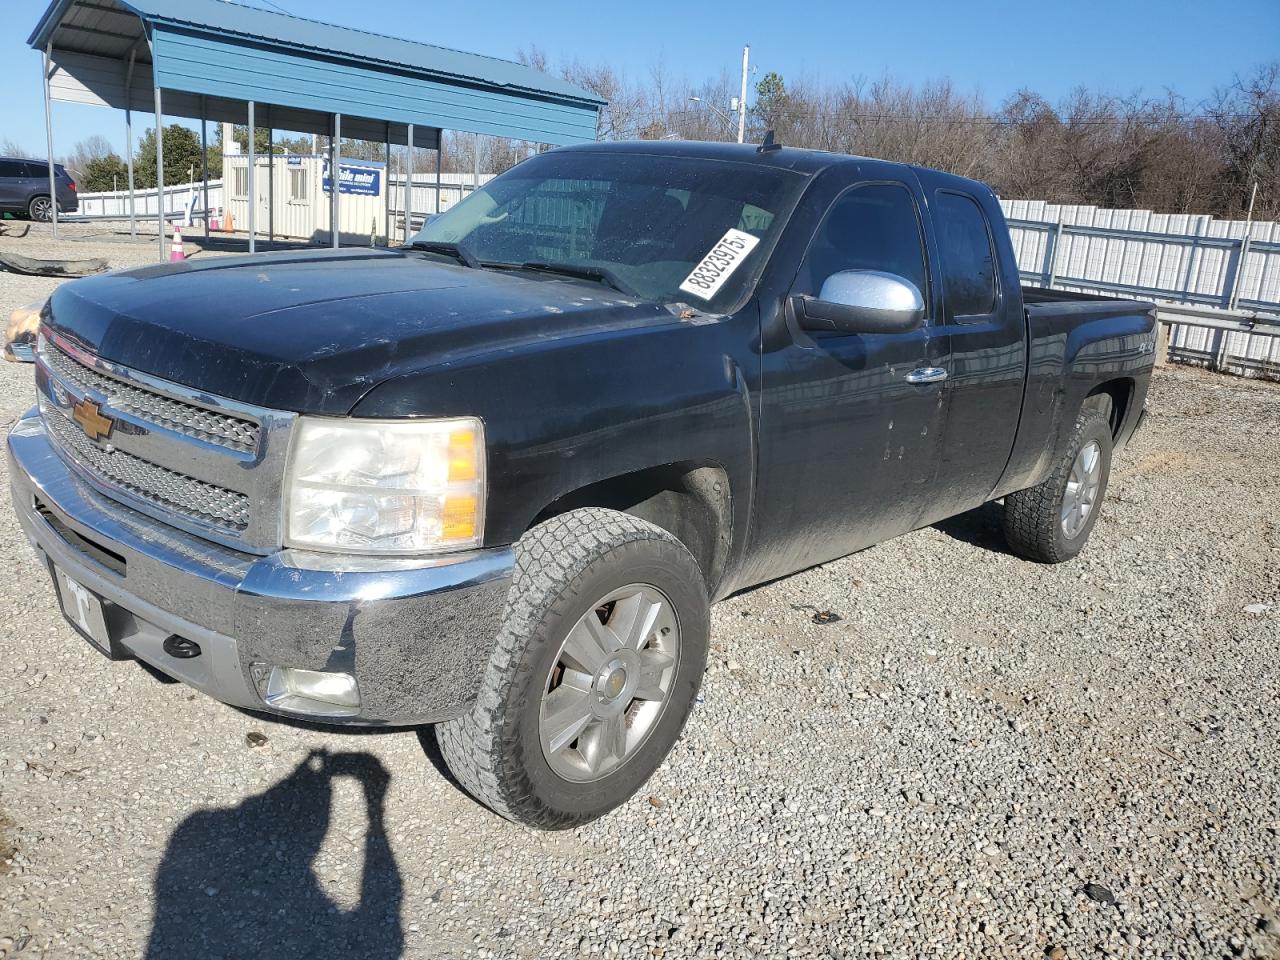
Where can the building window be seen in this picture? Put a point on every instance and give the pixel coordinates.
(240, 183)
(298, 185)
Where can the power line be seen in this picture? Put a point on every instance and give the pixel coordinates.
(982, 120)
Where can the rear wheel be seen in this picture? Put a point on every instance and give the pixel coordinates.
(40, 208)
(1051, 522)
(594, 672)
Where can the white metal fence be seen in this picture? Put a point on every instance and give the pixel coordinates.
(1221, 277)
(114, 204)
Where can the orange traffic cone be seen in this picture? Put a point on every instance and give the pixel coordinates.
(175, 249)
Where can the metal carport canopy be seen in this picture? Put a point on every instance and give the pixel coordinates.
(229, 54)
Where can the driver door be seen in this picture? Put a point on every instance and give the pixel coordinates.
(849, 436)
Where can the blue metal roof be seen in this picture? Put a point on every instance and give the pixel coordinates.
(225, 49)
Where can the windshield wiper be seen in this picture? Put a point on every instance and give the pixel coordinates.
(582, 271)
(455, 250)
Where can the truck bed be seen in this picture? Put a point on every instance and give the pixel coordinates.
(1039, 300)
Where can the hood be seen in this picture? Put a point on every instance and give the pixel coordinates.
(313, 331)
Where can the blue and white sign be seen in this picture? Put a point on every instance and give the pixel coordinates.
(363, 178)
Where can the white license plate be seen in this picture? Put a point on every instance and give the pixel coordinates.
(84, 610)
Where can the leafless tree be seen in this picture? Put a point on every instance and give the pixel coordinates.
(84, 152)
(1246, 115)
(1090, 147)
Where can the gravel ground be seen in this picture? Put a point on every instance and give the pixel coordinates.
(981, 757)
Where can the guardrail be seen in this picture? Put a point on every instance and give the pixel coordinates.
(1210, 318)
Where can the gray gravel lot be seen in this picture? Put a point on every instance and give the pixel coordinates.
(981, 758)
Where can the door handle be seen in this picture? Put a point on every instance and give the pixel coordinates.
(927, 375)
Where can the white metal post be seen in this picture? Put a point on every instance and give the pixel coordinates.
(439, 153)
(271, 180)
(335, 161)
(386, 193)
(1055, 241)
(1233, 299)
(204, 164)
(128, 140)
(48, 135)
(1233, 291)
(252, 186)
(408, 187)
(160, 170)
(742, 100)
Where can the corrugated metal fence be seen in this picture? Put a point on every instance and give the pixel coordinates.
(1198, 261)
(114, 204)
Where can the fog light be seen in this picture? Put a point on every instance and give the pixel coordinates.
(316, 692)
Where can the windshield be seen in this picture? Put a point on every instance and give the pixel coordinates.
(671, 229)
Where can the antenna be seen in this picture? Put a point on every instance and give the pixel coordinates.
(769, 145)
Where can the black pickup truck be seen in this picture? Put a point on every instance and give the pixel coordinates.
(493, 480)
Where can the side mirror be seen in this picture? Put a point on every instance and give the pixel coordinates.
(862, 301)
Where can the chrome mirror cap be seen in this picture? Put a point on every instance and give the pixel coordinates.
(862, 301)
(873, 290)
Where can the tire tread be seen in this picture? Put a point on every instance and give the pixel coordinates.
(1031, 516)
(549, 561)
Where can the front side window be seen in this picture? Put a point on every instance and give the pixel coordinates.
(968, 261)
(649, 221)
(872, 227)
(12, 168)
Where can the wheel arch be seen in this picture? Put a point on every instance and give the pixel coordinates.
(1116, 395)
(690, 500)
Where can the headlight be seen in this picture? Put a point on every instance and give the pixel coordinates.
(385, 486)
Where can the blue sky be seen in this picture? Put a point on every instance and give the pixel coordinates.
(990, 46)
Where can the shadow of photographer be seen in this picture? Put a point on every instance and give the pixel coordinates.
(239, 881)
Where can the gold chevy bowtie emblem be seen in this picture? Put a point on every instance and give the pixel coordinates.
(90, 417)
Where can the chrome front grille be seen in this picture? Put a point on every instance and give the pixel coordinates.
(167, 488)
(217, 428)
(207, 465)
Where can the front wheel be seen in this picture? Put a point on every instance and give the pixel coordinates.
(594, 672)
(1051, 522)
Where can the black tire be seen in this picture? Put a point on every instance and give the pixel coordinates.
(40, 209)
(1033, 523)
(562, 569)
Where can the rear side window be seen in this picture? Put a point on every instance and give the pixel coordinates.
(968, 260)
(12, 168)
(872, 227)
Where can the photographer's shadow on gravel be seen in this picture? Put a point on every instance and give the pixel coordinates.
(239, 881)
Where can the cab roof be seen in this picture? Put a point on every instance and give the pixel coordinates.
(799, 159)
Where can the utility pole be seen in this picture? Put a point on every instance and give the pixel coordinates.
(742, 100)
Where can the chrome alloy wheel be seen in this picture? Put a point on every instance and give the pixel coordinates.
(610, 683)
(1082, 489)
(41, 209)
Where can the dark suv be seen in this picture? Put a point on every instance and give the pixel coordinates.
(24, 188)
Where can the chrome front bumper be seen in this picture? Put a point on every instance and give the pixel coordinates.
(416, 634)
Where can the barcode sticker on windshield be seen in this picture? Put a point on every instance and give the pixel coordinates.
(719, 265)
